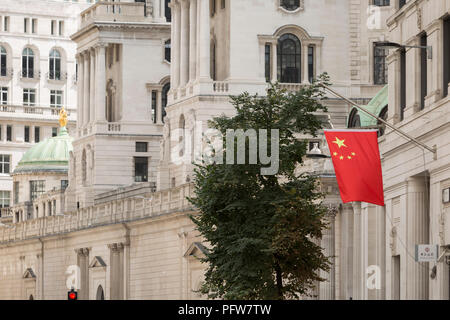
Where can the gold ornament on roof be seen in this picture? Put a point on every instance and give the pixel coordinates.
(62, 117)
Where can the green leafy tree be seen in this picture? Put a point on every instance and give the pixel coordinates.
(263, 231)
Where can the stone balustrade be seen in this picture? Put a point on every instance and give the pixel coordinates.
(120, 211)
(40, 110)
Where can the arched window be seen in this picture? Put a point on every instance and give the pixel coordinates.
(100, 294)
(165, 91)
(290, 5)
(383, 115)
(27, 63)
(167, 47)
(289, 59)
(354, 120)
(167, 11)
(181, 138)
(55, 65)
(3, 64)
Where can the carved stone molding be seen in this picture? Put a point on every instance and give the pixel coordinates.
(116, 247)
(82, 251)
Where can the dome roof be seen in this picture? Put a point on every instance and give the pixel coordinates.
(375, 106)
(50, 155)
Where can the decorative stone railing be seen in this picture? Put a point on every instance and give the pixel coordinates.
(114, 12)
(41, 110)
(120, 211)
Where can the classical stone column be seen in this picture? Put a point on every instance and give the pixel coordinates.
(192, 40)
(184, 43)
(205, 41)
(346, 250)
(358, 277)
(327, 288)
(175, 42)
(157, 10)
(92, 87)
(417, 226)
(86, 93)
(80, 90)
(305, 74)
(116, 271)
(100, 78)
(274, 75)
(83, 264)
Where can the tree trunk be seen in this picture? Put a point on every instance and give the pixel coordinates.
(279, 282)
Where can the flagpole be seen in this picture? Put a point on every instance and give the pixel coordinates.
(420, 144)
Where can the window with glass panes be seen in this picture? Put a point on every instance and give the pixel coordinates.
(381, 3)
(26, 134)
(5, 162)
(3, 95)
(141, 169)
(8, 133)
(37, 134)
(56, 98)
(5, 197)
(380, 65)
(29, 97)
(36, 188)
(64, 184)
(141, 146)
(54, 132)
(3, 61)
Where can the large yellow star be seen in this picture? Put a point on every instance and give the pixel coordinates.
(340, 143)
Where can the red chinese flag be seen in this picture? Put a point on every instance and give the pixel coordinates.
(357, 164)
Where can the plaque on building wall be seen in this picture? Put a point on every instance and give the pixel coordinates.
(427, 252)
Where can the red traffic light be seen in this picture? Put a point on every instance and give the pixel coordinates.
(72, 295)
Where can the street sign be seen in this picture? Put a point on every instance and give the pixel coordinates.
(427, 252)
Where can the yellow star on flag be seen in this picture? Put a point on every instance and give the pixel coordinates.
(342, 158)
(340, 143)
(335, 154)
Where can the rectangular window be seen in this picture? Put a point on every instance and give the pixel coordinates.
(16, 192)
(53, 27)
(5, 199)
(222, 5)
(380, 67)
(401, 3)
(25, 25)
(141, 146)
(402, 84)
(213, 7)
(64, 184)
(154, 106)
(6, 24)
(36, 188)
(8, 133)
(33, 25)
(140, 169)
(56, 98)
(3, 95)
(26, 134)
(29, 97)
(423, 71)
(381, 3)
(3, 64)
(117, 53)
(267, 55)
(5, 163)
(61, 28)
(311, 63)
(446, 63)
(54, 132)
(37, 134)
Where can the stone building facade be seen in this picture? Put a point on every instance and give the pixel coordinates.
(125, 230)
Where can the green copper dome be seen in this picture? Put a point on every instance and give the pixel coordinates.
(50, 155)
(375, 106)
